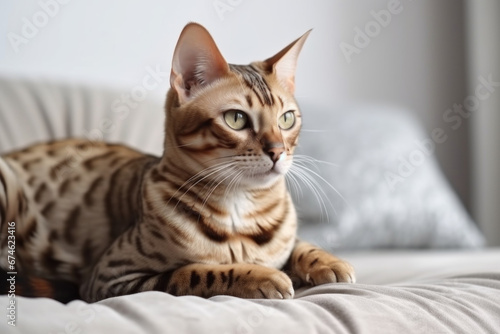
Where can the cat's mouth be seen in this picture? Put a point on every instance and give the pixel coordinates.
(260, 172)
(272, 171)
(264, 174)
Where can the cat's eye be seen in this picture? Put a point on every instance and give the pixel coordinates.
(236, 119)
(287, 120)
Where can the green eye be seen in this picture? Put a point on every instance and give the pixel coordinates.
(236, 119)
(287, 120)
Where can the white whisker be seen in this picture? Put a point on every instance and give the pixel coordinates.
(317, 191)
(311, 130)
(314, 161)
(327, 183)
(305, 170)
(200, 176)
(293, 184)
(231, 173)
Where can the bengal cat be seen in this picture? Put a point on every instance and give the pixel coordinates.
(211, 216)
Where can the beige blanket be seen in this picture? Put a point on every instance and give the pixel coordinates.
(458, 303)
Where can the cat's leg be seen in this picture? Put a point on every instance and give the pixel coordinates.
(239, 280)
(131, 266)
(204, 280)
(315, 266)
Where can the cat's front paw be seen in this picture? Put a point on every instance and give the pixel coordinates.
(316, 266)
(334, 272)
(239, 280)
(264, 283)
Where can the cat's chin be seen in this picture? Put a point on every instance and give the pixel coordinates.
(262, 180)
(266, 178)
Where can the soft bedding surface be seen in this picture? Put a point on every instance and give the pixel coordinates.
(409, 292)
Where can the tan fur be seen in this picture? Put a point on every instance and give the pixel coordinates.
(211, 216)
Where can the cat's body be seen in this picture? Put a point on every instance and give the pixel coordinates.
(211, 216)
(74, 198)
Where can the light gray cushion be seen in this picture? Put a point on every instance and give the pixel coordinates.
(40, 110)
(386, 188)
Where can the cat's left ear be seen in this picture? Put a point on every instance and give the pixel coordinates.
(197, 62)
(284, 63)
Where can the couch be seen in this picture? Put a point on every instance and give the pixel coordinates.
(380, 201)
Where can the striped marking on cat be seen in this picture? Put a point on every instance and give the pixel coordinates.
(22, 203)
(88, 197)
(281, 102)
(249, 101)
(70, 225)
(61, 167)
(31, 181)
(90, 163)
(41, 192)
(255, 81)
(210, 231)
(178, 235)
(49, 260)
(27, 165)
(46, 210)
(205, 138)
(63, 188)
(266, 233)
(121, 217)
(87, 252)
(183, 195)
(53, 235)
(153, 255)
(264, 211)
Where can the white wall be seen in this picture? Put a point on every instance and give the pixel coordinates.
(416, 62)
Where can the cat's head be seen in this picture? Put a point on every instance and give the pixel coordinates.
(231, 123)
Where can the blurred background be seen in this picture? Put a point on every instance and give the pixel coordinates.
(437, 59)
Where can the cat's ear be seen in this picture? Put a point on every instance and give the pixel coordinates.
(284, 63)
(197, 62)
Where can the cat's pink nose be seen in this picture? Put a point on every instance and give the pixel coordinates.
(275, 153)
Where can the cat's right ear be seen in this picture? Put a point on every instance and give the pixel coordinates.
(284, 63)
(197, 62)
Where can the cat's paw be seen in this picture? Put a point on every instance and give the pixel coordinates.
(239, 280)
(264, 283)
(316, 266)
(334, 272)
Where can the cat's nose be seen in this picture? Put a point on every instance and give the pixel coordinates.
(276, 152)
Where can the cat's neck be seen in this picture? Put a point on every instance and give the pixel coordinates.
(224, 199)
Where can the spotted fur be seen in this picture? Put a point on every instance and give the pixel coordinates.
(211, 216)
